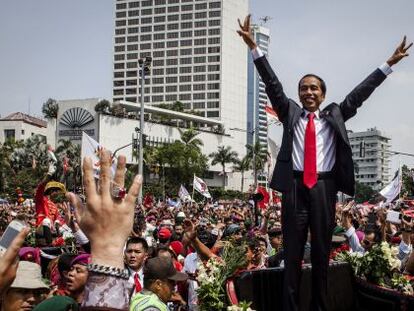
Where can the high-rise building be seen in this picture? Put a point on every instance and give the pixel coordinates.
(197, 57)
(370, 152)
(257, 98)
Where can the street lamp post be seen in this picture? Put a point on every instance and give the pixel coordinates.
(144, 68)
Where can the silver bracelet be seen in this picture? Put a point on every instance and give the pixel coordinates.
(112, 271)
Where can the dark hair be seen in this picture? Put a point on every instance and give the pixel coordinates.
(162, 248)
(63, 263)
(323, 84)
(137, 240)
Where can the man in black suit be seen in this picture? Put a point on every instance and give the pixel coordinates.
(313, 164)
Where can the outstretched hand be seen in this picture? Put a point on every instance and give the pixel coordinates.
(400, 52)
(246, 33)
(108, 221)
(9, 262)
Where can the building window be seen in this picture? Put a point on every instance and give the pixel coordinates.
(133, 30)
(186, 42)
(200, 33)
(186, 25)
(172, 53)
(171, 98)
(199, 41)
(172, 35)
(118, 57)
(213, 114)
(158, 62)
(118, 75)
(131, 82)
(201, 6)
(159, 10)
(134, 21)
(214, 40)
(214, 49)
(200, 59)
(185, 69)
(173, 9)
(199, 78)
(157, 98)
(159, 36)
(214, 86)
(172, 26)
(214, 22)
(158, 89)
(198, 51)
(213, 67)
(185, 61)
(158, 72)
(146, 20)
(130, 74)
(158, 80)
(158, 54)
(146, 29)
(215, 5)
(173, 18)
(158, 45)
(159, 2)
(9, 134)
(145, 46)
(214, 32)
(147, 3)
(119, 48)
(120, 40)
(212, 59)
(121, 6)
(199, 68)
(213, 95)
(171, 79)
(214, 14)
(172, 62)
(120, 31)
(146, 12)
(133, 13)
(120, 23)
(201, 105)
(134, 4)
(185, 97)
(187, 7)
(200, 24)
(186, 34)
(159, 28)
(200, 15)
(132, 56)
(199, 96)
(199, 87)
(120, 14)
(171, 71)
(119, 66)
(213, 105)
(185, 52)
(171, 88)
(172, 44)
(135, 38)
(185, 78)
(186, 16)
(185, 87)
(159, 19)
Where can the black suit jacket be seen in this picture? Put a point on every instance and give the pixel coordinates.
(336, 115)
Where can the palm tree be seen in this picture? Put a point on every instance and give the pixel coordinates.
(189, 139)
(222, 156)
(242, 166)
(258, 158)
(50, 109)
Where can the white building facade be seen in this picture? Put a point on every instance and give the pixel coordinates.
(370, 152)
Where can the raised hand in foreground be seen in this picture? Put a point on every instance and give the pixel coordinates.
(399, 53)
(246, 33)
(107, 221)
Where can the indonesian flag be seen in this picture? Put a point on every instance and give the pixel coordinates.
(91, 148)
(272, 117)
(263, 203)
(183, 194)
(392, 190)
(201, 187)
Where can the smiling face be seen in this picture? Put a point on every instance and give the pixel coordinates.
(311, 93)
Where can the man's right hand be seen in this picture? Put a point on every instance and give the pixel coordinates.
(246, 33)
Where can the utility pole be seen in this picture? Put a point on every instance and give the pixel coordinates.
(144, 68)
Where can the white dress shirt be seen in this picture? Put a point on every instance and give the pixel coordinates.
(325, 135)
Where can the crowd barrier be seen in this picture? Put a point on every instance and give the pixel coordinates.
(264, 288)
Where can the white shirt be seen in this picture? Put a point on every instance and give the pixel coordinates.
(325, 135)
(131, 280)
(190, 266)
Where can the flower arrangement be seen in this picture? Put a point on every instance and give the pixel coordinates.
(213, 274)
(379, 266)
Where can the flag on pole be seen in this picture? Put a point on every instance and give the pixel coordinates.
(392, 190)
(90, 148)
(273, 149)
(183, 194)
(200, 186)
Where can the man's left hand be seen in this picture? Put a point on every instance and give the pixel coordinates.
(399, 53)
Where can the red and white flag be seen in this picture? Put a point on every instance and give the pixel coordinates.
(200, 186)
(273, 149)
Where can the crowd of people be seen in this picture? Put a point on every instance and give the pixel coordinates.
(101, 251)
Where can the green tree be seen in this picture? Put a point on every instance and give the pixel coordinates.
(50, 109)
(223, 156)
(103, 106)
(363, 192)
(242, 165)
(70, 153)
(258, 158)
(407, 180)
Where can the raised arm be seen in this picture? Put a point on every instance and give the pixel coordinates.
(274, 88)
(361, 93)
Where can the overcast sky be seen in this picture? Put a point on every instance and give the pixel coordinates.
(63, 49)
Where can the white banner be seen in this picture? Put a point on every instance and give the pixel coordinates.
(90, 148)
(392, 190)
(201, 187)
(183, 194)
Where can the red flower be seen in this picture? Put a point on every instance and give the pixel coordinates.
(58, 242)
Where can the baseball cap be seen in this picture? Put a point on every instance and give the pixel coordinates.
(28, 276)
(164, 233)
(161, 269)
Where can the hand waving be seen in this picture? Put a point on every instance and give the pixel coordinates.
(399, 53)
(106, 221)
(245, 32)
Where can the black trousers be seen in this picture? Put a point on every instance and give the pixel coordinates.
(304, 209)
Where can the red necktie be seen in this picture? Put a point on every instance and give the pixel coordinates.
(309, 163)
(138, 286)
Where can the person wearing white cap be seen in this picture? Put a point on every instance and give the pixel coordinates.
(27, 289)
